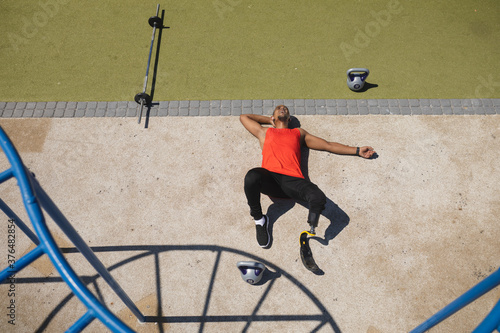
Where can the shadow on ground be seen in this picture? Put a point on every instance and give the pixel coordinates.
(323, 318)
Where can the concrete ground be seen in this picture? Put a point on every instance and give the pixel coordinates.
(163, 208)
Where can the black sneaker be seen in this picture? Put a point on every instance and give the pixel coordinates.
(263, 237)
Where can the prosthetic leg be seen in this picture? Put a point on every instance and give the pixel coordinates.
(305, 251)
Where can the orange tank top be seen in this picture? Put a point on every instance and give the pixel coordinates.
(281, 151)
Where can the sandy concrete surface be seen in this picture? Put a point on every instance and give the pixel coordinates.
(164, 209)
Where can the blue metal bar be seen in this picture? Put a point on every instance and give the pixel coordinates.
(468, 297)
(80, 244)
(491, 322)
(83, 322)
(22, 262)
(49, 245)
(18, 168)
(11, 215)
(78, 287)
(6, 175)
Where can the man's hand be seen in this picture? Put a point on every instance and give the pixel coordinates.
(366, 152)
(272, 122)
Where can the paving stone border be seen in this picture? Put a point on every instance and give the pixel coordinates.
(237, 107)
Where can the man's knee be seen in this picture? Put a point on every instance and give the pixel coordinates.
(253, 177)
(316, 198)
(317, 202)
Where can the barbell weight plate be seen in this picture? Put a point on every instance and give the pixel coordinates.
(155, 19)
(144, 97)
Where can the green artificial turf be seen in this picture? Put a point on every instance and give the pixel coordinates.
(68, 50)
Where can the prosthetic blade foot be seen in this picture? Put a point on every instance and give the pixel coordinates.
(306, 253)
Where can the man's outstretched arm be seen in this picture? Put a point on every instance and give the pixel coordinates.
(313, 142)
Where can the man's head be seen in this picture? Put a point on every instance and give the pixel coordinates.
(281, 116)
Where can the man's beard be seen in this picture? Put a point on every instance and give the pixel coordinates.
(284, 118)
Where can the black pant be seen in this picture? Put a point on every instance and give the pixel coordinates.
(260, 180)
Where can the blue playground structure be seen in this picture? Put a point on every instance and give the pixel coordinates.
(34, 199)
(488, 325)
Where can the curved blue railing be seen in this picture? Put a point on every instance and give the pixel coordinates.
(34, 198)
(490, 323)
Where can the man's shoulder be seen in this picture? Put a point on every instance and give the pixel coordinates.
(301, 131)
(303, 134)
